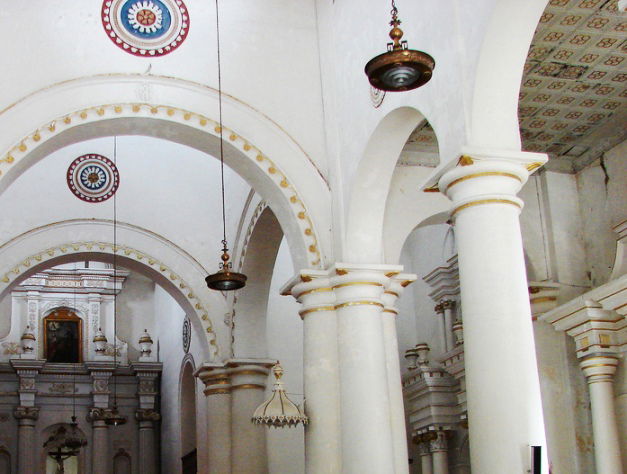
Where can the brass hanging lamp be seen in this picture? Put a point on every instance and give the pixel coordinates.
(399, 68)
(224, 279)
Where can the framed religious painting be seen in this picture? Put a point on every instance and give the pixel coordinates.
(63, 336)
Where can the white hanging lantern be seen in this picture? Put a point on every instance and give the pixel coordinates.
(279, 411)
(100, 341)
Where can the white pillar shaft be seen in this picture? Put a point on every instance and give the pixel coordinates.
(100, 448)
(395, 391)
(249, 452)
(448, 329)
(442, 327)
(502, 382)
(606, 444)
(365, 407)
(26, 446)
(147, 451)
(321, 386)
(219, 432)
(426, 464)
(440, 462)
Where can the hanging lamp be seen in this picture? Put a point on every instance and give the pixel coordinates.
(114, 417)
(279, 411)
(399, 68)
(224, 279)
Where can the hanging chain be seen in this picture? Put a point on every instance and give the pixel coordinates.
(115, 280)
(221, 132)
(394, 12)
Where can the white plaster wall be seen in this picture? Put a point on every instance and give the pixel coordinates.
(269, 55)
(603, 206)
(135, 311)
(169, 189)
(5, 315)
(168, 336)
(284, 334)
(425, 249)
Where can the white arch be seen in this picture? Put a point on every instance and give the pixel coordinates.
(173, 109)
(137, 249)
(494, 112)
(366, 209)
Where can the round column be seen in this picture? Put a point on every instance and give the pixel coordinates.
(218, 394)
(27, 419)
(100, 445)
(426, 462)
(395, 389)
(364, 398)
(439, 451)
(320, 375)
(147, 448)
(248, 453)
(503, 390)
(599, 371)
(439, 311)
(448, 324)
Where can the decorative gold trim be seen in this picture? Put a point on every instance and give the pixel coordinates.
(591, 321)
(216, 391)
(609, 356)
(341, 271)
(532, 166)
(358, 303)
(390, 292)
(484, 201)
(315, 290)
(353, 283)
(432, 189)
(246, 386)
(543, 299)
(249, 372)
(388, 310)
(391, 274)
(479, 175)
(592, 366)
(313, 310)
(465, 160)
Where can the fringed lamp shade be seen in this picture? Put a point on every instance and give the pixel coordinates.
(279, 411)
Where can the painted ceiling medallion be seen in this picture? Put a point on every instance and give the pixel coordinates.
(93, 178)
(187, 334)
(146, 27)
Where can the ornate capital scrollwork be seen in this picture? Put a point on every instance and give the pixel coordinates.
(147, 415)
(26, 413)
(447, 304)
(97, 414)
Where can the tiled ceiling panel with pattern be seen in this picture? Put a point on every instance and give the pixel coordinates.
(573, 94)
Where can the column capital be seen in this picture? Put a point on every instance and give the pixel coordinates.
(599, 367)
(439, 441)
(248, 373)
(147, 415)
(215, 377)
(26, 413)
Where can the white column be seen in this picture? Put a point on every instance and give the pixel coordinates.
(218, 393)
(146, 420)
(503, 390)
(439, 313)
(100, 443)
(439, 451)
(395, 389)
(424, 450)
(448, 324)
(364, 398)
(248, 377)
(599, 371)
(320, 373)
(27, 419)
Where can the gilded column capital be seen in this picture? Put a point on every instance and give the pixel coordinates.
(147, 415)
(216, 379)
(439, 441)
(447, 304)
(599, 367)
(483, 177)
(439, 308)
(97, 414)
(26, 413)
(393, 290)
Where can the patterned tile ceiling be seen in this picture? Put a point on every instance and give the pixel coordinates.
(573, 98)
(573, 95)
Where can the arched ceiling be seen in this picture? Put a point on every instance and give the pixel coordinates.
(573, 96)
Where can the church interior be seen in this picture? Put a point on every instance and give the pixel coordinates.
(434, 252)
